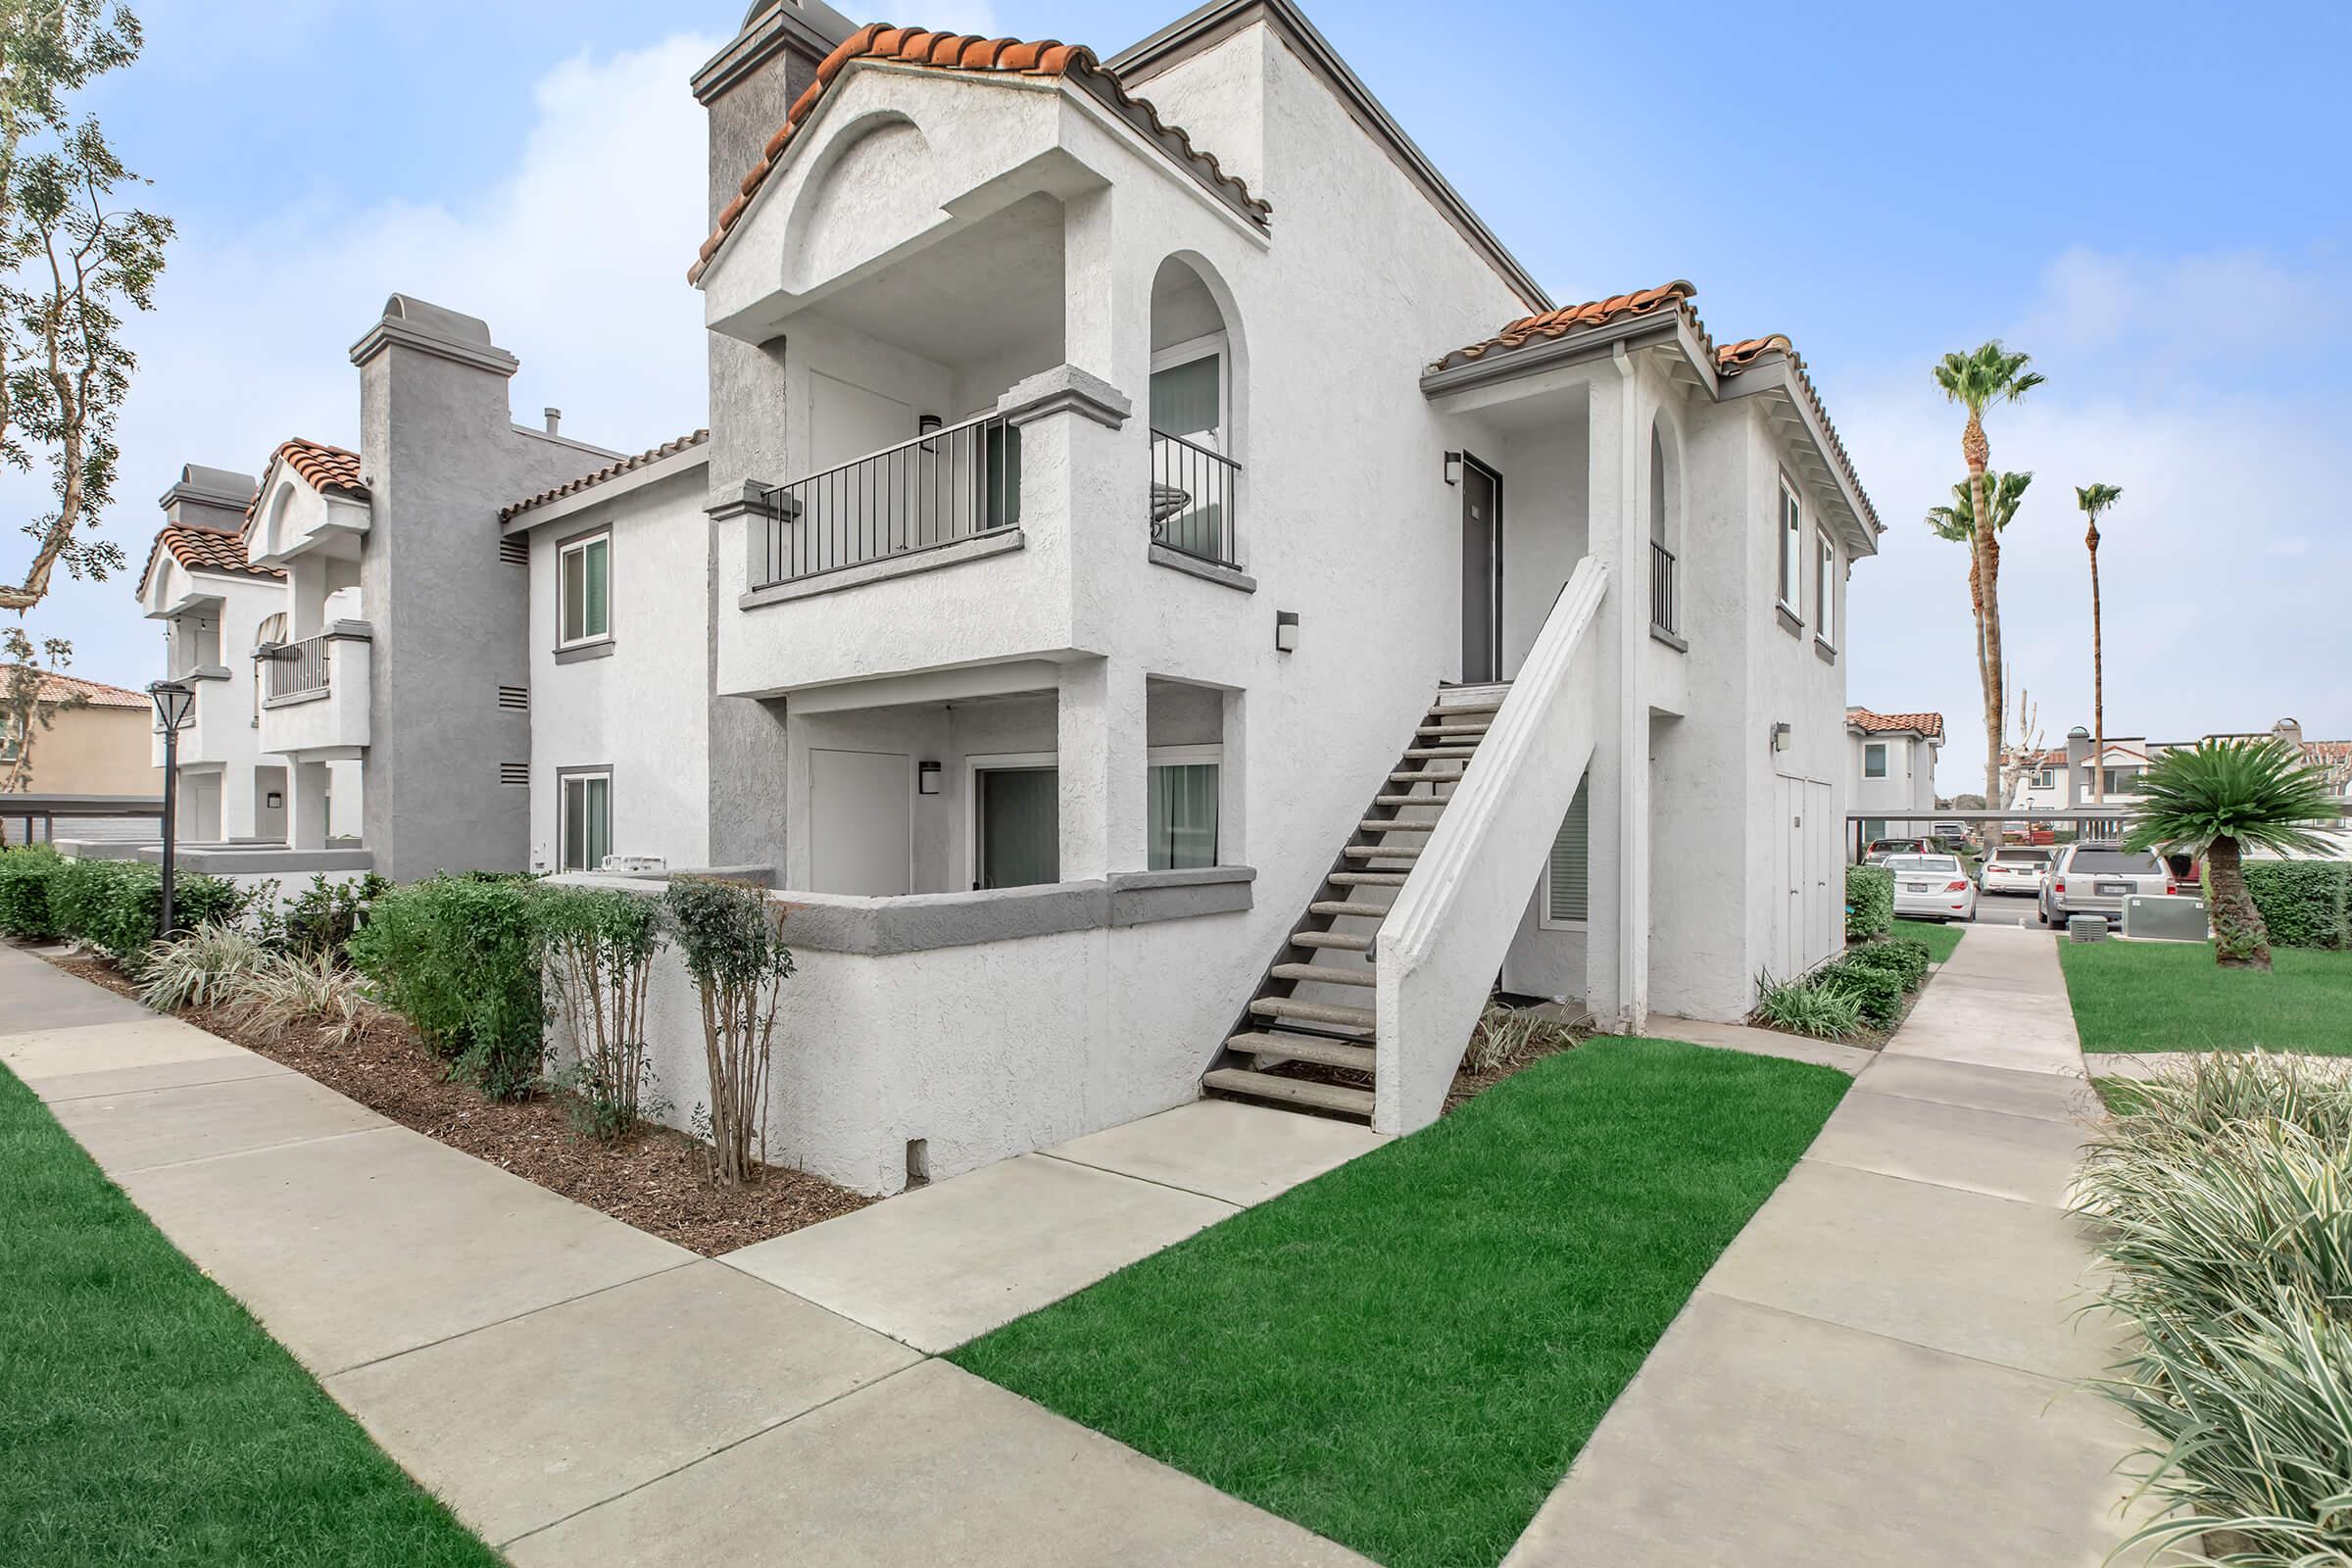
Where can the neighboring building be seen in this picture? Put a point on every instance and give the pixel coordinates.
(1893, 771)
(88, 769)
(1100, 570)
(2068, 778)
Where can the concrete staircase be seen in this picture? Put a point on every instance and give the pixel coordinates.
(1314, 1005)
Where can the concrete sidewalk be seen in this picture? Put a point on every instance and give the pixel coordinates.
(581, 1392)
(1881, 1368)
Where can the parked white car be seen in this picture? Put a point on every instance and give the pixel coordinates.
(1933, 886)
(2016, 868)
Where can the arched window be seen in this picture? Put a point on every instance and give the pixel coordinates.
(1195, 447)
(1665, 529)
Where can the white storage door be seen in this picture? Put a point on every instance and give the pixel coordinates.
(860, 822)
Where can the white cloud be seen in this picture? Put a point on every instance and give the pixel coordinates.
(576, 257)
(2225, 593)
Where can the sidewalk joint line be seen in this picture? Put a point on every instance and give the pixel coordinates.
(1152, 1181)
(2063, 1384)
(511, 1317)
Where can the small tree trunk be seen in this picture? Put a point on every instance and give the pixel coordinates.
(2098, 678)
(2240, 940)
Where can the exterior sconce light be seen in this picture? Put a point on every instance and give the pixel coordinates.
(1454, 467)
(927, 778)
(1286, 631)
(1780, 737)
(927, 426)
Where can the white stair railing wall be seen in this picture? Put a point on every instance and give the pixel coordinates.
(1455, 915)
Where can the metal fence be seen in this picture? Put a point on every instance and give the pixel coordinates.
(297, 669)
(1663, 613)
(1194, 496)
(944, 485)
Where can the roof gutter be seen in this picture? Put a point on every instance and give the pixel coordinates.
(1219, 20)
(1627, 333)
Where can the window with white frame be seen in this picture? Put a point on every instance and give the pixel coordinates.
(1793, 528)
(1874, 760)
(1182, 807)
(1825, 589)
(2045, 778)
(584, 575)
(1566, 879)
(586, 820)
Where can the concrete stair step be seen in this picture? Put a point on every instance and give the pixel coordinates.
(1413, 799)
(1326, 974)
(1392, 824)
(1448, 752)
(1379, 851)
(1314, 1013)
(1367, 879)
(1290, 1090)
(1464, 710)
(1337, 940)
(1425, 777)
(1347, 909)
(1471, 730)
(1306, 1047)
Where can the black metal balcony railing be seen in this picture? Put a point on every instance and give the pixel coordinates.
(1662, 608)
(297, 670)
(940, 487)
(1194, 496)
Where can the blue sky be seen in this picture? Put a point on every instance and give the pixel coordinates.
(2148, 199)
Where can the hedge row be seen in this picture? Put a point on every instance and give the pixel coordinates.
(1869, 901)
(112, 906)
(459, 956)
(2306, 904)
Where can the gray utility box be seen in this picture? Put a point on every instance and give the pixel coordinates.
(2085, 928)
(2159, 919)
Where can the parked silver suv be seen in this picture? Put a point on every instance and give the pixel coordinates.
(2096, 878)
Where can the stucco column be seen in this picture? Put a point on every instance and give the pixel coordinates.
(306, 821)
(1103, 763)
(1618, 951)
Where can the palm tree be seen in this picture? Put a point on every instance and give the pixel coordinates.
(2217, 798)
(2094, 499)
(1957, 522)
(1979, 381)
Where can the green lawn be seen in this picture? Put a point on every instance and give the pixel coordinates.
(1940, 938)
(145, 1418)
(2171, 995)
(1405, 1354)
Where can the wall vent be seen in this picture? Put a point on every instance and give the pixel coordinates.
(518, 698)
(516, 550)
(515, 773)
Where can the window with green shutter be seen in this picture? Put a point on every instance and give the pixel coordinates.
(1565, 890)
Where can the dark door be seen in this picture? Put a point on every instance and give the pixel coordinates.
(1482, 573)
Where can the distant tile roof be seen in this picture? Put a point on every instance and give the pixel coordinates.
(322, 467)
(1927, 724)
(1730, 359)
(610, 471)
(202, 549)
(964, 52)
(57, 688)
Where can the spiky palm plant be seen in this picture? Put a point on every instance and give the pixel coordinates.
(2217, 797)
(1979, 381)
(2096, 499)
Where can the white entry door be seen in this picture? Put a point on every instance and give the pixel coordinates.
(860, 822)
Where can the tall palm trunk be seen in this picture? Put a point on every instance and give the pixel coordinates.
(2098, 678)
(1985, 552)
(2240, 939)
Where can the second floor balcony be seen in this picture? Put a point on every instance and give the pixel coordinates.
(208, 736)
(315, 694)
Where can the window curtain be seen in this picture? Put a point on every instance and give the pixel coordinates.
(1020, 827)
(1183, 813)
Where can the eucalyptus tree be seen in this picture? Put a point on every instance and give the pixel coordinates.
(1979, 382)
(2096, 499)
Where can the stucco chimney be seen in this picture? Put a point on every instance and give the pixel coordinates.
(2288, 729)
(555, 418)
(209, 498)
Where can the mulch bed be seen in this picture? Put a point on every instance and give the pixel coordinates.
(657, 1180)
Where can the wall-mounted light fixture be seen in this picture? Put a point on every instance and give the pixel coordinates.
(1780, 737)
(927, 426)
(927, 778)
(1454, 467)
(1286, 631)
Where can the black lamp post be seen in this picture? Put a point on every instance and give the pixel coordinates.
(172, 700)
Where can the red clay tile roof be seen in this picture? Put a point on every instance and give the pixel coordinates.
(202, 549)
(1927, 724)
(1730, 359)
(1570, 318)
(954, 51)
(322, 467)
(610, 471)
(57, 688)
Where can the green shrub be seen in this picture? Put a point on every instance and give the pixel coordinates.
(324, 915)
(2222, 1203)
(24, 875)
(459, 957)
(1801, 1007)
(205, 968)
(1876, 991)
(2306, 904)
(731, 934)
(116, 906)
(1869, 901)
(1904, 958)
(600, 945)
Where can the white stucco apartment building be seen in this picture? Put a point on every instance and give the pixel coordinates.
(1164, 598)
(1893, 771)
